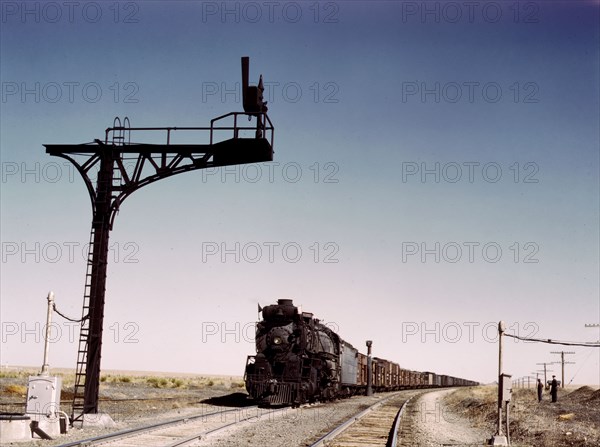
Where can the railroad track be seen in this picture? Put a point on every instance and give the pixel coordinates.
(375, 426)
(406, 426)
(178, 432)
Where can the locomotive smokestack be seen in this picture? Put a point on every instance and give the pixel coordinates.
(285, 302)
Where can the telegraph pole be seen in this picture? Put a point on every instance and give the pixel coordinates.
(562, 361)
(499, 438)
(545, 372)
(500, 332)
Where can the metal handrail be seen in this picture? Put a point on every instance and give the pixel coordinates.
(235, 128)
(267, 126)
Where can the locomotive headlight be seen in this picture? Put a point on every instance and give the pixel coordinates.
(277, 340)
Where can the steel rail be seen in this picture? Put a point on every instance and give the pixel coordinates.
(144, 429)
(345, 425)
(396, 425)
(218, 429)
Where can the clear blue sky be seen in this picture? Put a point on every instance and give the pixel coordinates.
(445, 156)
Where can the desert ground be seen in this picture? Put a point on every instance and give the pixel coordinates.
(136, 397)
(572, 421)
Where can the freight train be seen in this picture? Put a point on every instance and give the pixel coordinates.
(298, 359)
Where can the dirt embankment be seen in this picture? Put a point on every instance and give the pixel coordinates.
(573, 421)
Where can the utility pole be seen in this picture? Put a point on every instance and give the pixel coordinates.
(562, 361)
(500, 332)
(499, 438)
(45, 365)
(545, 371)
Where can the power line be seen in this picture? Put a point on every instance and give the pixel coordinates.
(590, 344)
(67, 318)
(580, 368)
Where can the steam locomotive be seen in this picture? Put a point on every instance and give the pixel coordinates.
(298, 359)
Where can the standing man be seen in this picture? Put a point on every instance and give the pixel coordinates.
(540, 387)
(554, 389)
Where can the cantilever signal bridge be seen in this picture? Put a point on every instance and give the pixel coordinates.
(121, 164)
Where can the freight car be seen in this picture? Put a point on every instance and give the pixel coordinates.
(298, 359)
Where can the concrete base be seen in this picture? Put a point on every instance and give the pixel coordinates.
(102, 420)
(499, 440)
(14, 427)
(50, 425)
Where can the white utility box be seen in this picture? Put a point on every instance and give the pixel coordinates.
(43, 395)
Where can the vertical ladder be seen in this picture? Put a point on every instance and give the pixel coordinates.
(87, 373)
(121, 135)
(118, 135)
(82, 351)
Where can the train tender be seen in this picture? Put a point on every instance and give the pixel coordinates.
(298, 359)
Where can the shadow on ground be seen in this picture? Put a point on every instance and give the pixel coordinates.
(230, 400)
